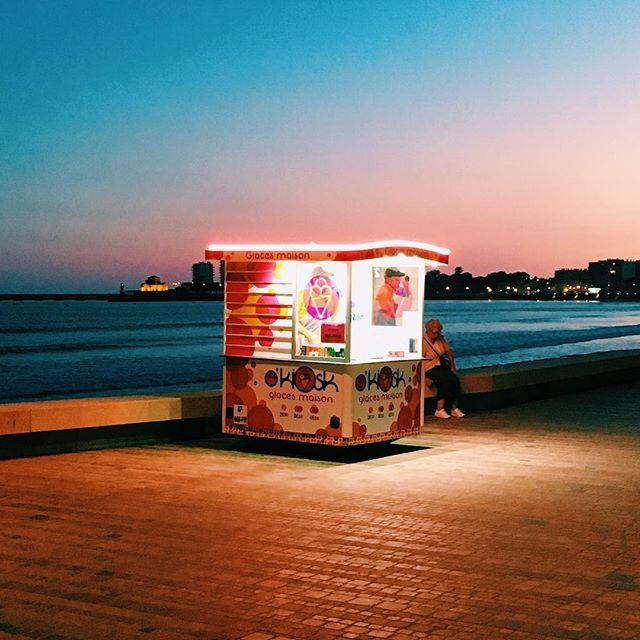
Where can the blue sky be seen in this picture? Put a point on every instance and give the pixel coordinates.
(135, 133)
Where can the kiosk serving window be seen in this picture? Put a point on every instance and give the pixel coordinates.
(394, 294)
(386, 309)
(320, 311)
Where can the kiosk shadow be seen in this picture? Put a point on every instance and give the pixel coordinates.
(307, 450)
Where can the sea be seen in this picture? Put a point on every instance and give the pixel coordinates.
(77, 348)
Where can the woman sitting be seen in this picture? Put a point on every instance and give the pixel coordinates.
(439, 366)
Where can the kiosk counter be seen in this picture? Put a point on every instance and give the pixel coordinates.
(322, 343)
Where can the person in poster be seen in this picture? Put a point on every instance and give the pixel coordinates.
(392, 298)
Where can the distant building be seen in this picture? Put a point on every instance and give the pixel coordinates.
(202, 275)
(613, 272)
(571, 276)
(571, 282)
(153, 283)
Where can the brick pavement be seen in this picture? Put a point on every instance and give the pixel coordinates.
(521, 523)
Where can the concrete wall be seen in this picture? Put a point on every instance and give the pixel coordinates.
(31, 428)
(492, 387)
(84, 413)
(62, 425)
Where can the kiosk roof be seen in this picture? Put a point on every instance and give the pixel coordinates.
(319, 252)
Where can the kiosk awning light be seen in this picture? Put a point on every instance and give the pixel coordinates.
(341, 252)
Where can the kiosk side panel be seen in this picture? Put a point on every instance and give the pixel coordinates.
(286, 401)
(386, 400)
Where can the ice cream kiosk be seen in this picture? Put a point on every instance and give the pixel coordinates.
(322, 342)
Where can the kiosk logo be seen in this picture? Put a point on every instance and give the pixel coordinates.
(383, 379)
(304, 379)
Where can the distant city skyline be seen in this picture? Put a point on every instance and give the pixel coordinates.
(609, 269)
(133, 135)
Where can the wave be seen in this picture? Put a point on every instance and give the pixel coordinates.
(101, 346)
(15, 330)
(503, 342)
(490, 342)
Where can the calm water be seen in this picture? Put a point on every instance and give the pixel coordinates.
(51, 349)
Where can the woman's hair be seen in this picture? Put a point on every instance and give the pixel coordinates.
(434, 321)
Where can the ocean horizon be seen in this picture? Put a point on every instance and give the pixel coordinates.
(79, 348)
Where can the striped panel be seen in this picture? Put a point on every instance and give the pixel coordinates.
(259, 313)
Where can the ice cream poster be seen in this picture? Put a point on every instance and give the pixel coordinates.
(321, 302)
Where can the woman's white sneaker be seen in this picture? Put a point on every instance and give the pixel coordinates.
(441, 413)
(456, 413)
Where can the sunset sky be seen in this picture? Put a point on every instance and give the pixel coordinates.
(132, 134)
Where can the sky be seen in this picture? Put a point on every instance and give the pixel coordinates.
(133, 134)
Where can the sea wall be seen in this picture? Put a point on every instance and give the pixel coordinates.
(504, 385)
(31, 428)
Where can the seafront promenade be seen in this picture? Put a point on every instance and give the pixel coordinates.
(517, 523)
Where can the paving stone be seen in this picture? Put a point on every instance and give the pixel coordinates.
(520, 524)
